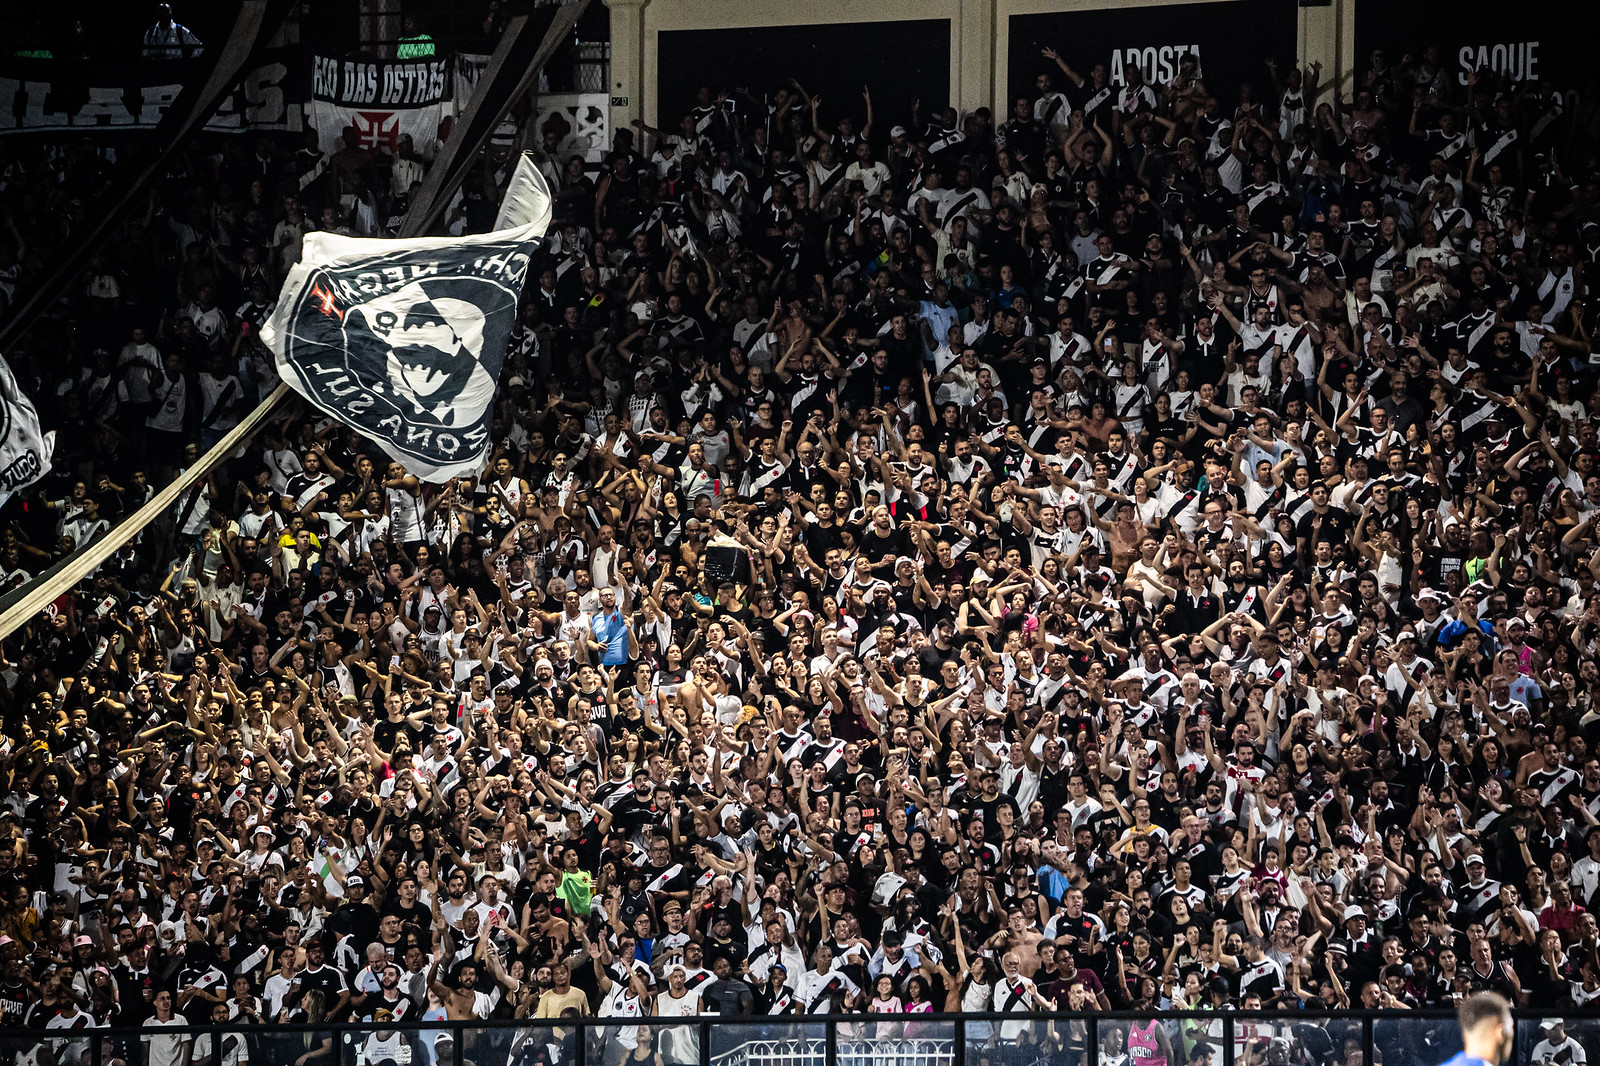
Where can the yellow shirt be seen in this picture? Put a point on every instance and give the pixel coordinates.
(551, 1004)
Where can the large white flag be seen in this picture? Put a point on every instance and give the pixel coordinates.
(403, 340)
(24, 451)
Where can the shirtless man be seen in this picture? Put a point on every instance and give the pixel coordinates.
(1019, 940)
(543, 509)
(1323, 296)
(464, 1001)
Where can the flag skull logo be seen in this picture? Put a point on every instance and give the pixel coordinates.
(433, 343)
(407, 348)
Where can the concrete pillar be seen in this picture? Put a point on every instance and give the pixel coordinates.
(1327, 36)
(627, 88)
(972, 57)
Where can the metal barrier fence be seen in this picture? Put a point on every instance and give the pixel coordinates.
(1162, 1038)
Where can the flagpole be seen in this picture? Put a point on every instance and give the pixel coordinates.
(45, 592)
(490, 103)
(456, 154)
(255, 24)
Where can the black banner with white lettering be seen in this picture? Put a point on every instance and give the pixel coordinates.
(1518, 41)
(54, 95)
(381, 101)
(896, 60)
(1230, 40)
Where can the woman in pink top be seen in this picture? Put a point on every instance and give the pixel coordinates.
(886, 1002)
(919, 1000)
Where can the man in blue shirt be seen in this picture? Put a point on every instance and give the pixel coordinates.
(1467, 618)
(1487, 1031)
(611, 632)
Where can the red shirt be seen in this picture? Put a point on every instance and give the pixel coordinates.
(1561, 919)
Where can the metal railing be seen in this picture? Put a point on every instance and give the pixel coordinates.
(1175, 1038)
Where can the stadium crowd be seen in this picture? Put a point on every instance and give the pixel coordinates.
(1136, 551)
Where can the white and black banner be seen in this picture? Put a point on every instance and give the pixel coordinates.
(41, 96)
(403, 340)
(468, 69)
(381, 101)
(24, 450)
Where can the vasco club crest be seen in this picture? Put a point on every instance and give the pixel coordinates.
(407, 347)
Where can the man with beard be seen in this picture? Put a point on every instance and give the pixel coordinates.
(389, 997)
(464, 1001)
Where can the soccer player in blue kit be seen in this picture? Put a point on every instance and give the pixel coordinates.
(1487, 1031)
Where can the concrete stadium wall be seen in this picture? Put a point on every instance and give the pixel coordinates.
(981, 39)
(992, 45)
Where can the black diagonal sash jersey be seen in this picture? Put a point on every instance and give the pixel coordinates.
(825, 184)
(1016, 993)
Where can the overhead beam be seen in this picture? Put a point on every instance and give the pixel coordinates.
(504, 80)
(512, 70)
(257, 21)
(43, 592)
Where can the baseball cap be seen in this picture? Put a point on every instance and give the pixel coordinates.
(83, 942)
(898, 131)
(1353, 912)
